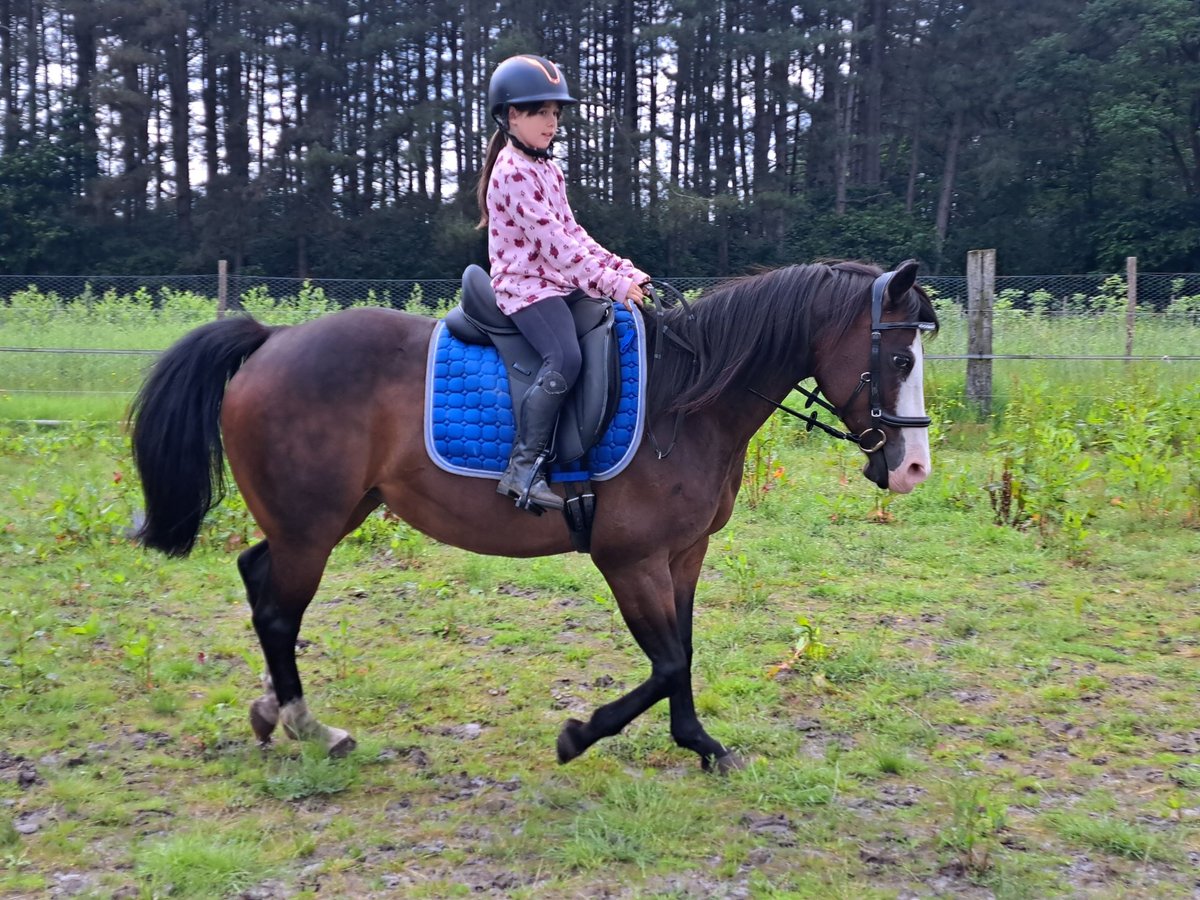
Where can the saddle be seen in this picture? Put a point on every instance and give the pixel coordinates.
(589, 409)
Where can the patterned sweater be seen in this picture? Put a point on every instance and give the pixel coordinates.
(537, 249)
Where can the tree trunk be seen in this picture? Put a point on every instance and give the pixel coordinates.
(370, 125)
(652, 151)
(624, 92)
(872, 126)
(237, 104)
(683, 69)
(180, 100)
(208, 92)
(33, 57)
(949, 171)
(914, 167)
(726, 150)
(84, 32)
(844, 105)
(11, 125)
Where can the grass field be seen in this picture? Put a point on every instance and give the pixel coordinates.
(935, 704)
(987, 688)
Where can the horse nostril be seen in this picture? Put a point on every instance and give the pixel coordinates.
(918, 472)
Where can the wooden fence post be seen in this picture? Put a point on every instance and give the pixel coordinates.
(222, 288)
(1131, 308)
(981, 292)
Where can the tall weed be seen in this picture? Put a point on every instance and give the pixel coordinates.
(1042, 465)
(1138, 450)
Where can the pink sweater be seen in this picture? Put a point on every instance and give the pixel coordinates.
(537, 249)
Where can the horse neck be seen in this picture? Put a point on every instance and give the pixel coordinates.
(743, 413)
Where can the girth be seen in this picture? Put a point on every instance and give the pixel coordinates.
(590, 407)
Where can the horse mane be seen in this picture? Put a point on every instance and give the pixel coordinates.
(747, 327)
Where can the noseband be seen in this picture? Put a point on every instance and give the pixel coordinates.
(870, 439)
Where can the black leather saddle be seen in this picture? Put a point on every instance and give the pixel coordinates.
(589, 408)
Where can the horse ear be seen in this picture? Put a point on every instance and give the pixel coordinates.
(902, 282)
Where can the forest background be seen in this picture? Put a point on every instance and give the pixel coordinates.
(343, 138)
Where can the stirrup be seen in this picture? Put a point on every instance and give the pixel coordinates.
(528, 502)
(522, 500)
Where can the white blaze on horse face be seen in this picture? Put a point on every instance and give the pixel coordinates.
(914, 468)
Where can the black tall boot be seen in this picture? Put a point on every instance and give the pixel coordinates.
(523, 480)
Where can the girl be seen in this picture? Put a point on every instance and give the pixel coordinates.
(542, 261)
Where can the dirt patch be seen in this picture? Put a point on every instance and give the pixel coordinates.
(19, 770)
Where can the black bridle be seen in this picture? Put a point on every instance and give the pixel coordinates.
(870, 439)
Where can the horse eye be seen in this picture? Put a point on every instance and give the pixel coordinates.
(902, 362)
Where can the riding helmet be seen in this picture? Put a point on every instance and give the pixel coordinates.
(525, 79)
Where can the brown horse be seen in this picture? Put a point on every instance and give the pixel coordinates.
(322, 423)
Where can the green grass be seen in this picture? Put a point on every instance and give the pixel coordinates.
(118, 329)
(200, 864)
(854, 747)
(1113, 836)
(313, 774)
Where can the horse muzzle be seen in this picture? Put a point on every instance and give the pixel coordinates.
(898, 466)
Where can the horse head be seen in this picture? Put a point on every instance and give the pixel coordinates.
(873, 374)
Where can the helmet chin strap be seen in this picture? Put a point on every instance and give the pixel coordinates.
(524, 148)
(530, 151)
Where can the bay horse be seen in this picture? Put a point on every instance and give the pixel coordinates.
(321, 423)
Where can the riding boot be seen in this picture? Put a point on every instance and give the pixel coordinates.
(523, 480)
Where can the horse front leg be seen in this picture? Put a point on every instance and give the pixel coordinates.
(279, 587)
(686, 729)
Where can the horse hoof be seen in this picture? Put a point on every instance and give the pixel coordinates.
(726, 763)
(342, 747)
(568, 741)
(264, 716)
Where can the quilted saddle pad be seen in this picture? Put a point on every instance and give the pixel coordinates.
(469, 426)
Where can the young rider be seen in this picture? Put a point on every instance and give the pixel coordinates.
(542, 261)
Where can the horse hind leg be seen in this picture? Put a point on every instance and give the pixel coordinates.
(279, 590)
(264, 712)
(254, 565)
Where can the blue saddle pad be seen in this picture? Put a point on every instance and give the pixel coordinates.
(469, 426)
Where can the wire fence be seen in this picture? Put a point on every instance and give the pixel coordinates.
(1061, 294)
(67, 342)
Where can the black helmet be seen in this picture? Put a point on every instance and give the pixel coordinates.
(525, 79)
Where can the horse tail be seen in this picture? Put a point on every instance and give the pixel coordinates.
(176, 423)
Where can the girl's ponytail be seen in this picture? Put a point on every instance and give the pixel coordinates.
(495, 145)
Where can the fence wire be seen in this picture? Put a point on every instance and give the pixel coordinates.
(1062, 294)
(94, 335)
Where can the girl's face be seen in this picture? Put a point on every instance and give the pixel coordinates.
(535, 129)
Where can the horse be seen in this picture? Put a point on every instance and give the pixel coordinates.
(321, 423)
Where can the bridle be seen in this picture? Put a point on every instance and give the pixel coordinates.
(873, 438)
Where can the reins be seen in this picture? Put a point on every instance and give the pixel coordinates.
(811, 421)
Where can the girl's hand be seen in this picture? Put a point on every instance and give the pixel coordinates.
(635, 295)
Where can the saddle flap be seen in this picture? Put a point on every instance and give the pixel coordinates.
(464, 329)
(587, 414)
(590, 313)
